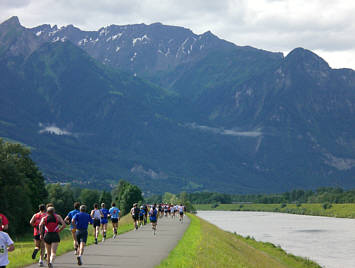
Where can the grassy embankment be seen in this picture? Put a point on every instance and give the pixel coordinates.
(24, 246)
(205, 245)
(336, 210)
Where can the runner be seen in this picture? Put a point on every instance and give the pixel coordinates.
(115, 216)
(145, 207)
(39, 243)
(160, 210)
(181, 212)
(153, 213)
(6, 245)
(5, 223)
(135, 215)
(172, 211)
(68, 220)
(96, 216)
(166, 210)
(104, 220)
(141, 216)
(51, 222)
(81, 222)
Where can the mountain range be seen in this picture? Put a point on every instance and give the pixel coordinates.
(174, 111)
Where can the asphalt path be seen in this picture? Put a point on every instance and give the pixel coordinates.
(138, 248)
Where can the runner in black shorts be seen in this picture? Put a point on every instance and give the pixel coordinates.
(81, 222)
(135, 215)
(96, 215)
(53, 224)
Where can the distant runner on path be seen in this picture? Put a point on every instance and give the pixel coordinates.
(153, 217)
(39, 243)
(181, 212)
(135, 215)
(104, 220)
(6, 245)
(96, 215)
(68, 220)
(114, 212)
(53, 224)
(81, 222)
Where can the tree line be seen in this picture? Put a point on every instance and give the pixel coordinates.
(321, 195)
(23, 188)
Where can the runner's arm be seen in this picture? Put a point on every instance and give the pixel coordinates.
(11, 248)
(33, 220)
(67, 219)
(60, 219)
(40, 227)
(73, 222)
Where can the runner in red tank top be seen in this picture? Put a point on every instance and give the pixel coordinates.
(39, 244)
(53, 224)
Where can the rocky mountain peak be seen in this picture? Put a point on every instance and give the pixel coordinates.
(14, 21)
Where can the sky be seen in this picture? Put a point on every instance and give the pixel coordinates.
(327, 27)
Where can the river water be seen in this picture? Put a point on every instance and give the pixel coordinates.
(328, 241)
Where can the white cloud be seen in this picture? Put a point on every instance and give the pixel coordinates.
(325, 26)
(229, 132)
(54, 130)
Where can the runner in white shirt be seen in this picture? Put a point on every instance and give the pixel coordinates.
(6, 244)
(181, 212)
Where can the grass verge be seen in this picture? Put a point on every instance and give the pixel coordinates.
(205, 245)
(336, 210)
(24, 246)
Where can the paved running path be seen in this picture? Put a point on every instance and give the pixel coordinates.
(133, 249)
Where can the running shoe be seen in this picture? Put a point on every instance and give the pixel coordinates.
(96, 241)
(40, 263)
(35, 251)
(50, 265)
(114, 236)
(79, 260)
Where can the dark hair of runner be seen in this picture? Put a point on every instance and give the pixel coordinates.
(77, 205)
(113, 204)
(82, 208)
(42, 207)
(49, 205)
(96, 205)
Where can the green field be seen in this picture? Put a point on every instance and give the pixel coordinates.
(336, 210)
(24, 246)
(205, 245)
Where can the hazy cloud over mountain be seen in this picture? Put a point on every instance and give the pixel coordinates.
(324, 26)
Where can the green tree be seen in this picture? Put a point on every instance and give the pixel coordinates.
(21, 185)
(106, 198)
(62, 198)
(89, 197)
(125, 195)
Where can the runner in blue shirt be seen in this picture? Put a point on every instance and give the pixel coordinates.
(153, 218)
(68, 220)
(114, 212)
(141, 215)
(104, 220)
(81, 222)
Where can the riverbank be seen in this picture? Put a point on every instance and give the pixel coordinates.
(205, 245)
(328, 210)
(24, 247)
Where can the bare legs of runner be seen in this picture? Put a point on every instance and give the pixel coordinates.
(52, 252)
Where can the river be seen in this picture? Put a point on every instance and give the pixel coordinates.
(328, 241)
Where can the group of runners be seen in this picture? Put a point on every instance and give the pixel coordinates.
(47, 226)
(140, 214)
